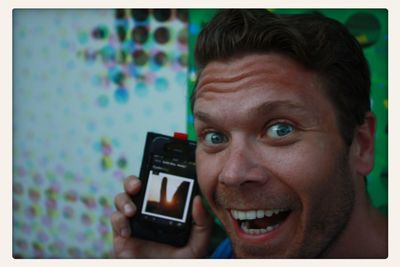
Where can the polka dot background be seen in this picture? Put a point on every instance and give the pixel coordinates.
(88, 85)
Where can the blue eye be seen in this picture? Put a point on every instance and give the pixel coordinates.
(215, 138)
(279, 130)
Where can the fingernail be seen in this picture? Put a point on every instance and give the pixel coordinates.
(134, 182)
(125, 232)
(128, 209)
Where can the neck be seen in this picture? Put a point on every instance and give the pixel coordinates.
(365, 236)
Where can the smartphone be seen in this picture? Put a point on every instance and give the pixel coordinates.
(168, 175)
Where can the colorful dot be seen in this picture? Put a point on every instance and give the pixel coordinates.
(34, 194)
(56, 247)
(106, 149)
(140, 34)
(106, 162)
(141, 89)
(37, 247)
(140, 14)
(38, 178)
(91, 125)
(160, 58)
(32, 211)
(100, 32)
(104, 202)
(190, 119)
(73, 252)
(122, 30)
(89, 202)
(194, 29)
(162, 15)
(120, 13)
(21, 170)
(46, 220)
(116, 75)
(105, 140)
(43, 237)
(83, 37)
(121, 95)
(119, 175)
(51, 204)
(18, 188)
(86, 219)
(161, 84)
(182, 14)
(128, 46)
(140, 57)
(162, 35)
(22, 244)
(108, 53)
(122, 162)
(102, 101)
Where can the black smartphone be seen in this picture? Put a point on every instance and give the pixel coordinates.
(168, 175)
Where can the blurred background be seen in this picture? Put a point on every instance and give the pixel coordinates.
(87, 86)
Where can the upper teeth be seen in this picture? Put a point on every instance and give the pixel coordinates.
(253, 214)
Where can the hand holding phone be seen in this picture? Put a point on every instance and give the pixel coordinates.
(128, 245)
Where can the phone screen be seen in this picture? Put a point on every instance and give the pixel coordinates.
(168, 191)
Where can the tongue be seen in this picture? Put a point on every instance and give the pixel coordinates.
(268, 221)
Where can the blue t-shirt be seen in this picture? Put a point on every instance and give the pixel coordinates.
(224, 250)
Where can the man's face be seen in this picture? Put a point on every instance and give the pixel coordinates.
(270, 157)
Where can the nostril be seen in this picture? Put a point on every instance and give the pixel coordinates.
(250, 177)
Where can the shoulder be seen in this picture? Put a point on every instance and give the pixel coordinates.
(223, 251)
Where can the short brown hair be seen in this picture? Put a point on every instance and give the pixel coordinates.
(313, 40)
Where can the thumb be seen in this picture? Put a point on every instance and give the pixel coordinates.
(201, 230)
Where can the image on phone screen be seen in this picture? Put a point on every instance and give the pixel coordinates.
(167, 196)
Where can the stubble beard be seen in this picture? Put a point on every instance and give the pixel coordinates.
(331, 223)
(325, 228)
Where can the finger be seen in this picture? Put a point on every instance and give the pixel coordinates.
(201, 229)
(124, 204)
(132, 185)
(120, 225)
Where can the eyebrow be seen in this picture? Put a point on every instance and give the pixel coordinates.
(205, 117)
(265, 109)
(281, 105)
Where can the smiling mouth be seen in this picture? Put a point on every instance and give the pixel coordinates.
(256, 222)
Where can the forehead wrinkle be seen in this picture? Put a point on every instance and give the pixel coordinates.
(225, 72)
(216, 83)
(257, 74)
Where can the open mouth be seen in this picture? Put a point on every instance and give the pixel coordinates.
(256, 222)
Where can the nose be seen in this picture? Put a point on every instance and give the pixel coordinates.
(243, 164)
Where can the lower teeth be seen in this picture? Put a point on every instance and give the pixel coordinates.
(247, 230)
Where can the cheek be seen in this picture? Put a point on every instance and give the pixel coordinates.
(309, 170)
(207, 174)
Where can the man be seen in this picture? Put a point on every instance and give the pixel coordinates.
(285, 141)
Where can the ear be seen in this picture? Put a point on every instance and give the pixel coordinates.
(362, 148)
